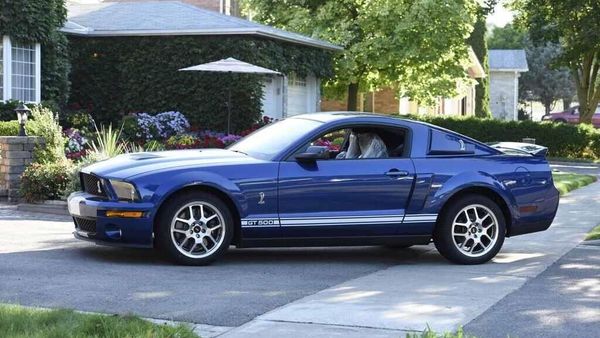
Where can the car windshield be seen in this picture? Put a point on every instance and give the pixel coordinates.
(269, 141)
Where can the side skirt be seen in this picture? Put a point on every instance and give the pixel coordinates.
(334, 241)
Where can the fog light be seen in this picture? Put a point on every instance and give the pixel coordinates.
(124, 214)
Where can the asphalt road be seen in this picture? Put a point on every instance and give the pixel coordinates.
(564, 301)
(578, 168)
(42, 265)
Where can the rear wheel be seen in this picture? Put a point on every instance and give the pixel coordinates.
(195, 228)
(471, 230)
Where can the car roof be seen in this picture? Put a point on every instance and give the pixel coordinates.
(349, 115)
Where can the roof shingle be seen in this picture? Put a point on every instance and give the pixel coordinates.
(168, 18)
(508, 60)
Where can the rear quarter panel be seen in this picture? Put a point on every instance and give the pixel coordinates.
(521, 181)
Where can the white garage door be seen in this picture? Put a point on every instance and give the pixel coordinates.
(301, 95)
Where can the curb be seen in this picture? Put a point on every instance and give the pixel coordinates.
(47, 207)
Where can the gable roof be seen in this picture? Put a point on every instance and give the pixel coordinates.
(155, 18)
(508, 60)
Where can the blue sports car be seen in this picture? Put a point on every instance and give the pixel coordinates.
(318, 180)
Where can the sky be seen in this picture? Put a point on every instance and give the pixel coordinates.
(501, 15)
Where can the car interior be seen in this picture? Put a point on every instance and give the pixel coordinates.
(363, 143)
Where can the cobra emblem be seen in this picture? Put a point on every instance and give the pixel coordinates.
(261, 198)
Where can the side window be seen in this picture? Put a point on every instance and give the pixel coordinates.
(442, 143)
(362, 143)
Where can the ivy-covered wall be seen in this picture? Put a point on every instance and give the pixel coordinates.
(38, 21)
(112, 76)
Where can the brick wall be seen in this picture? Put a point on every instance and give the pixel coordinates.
(15, 153)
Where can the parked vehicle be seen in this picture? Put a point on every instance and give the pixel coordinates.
(571, 115)
(317, 180)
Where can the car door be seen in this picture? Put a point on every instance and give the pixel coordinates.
(344, 197)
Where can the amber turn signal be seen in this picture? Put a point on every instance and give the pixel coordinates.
(125, 214)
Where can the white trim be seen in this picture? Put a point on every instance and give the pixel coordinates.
(38, 72)
(7, 60)
(509, 70)
(222, 31)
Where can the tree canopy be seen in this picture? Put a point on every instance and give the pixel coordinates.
(416, 47)
(575, 26)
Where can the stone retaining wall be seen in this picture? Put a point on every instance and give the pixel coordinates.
(15, 153)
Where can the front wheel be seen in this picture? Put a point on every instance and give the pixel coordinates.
(471, 230)
(195, 228)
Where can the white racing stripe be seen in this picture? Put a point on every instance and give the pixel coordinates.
(333, 220)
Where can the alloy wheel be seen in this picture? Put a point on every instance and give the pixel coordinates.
(475, 230)
(197, 229)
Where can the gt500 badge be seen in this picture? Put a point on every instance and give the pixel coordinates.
(261, 222)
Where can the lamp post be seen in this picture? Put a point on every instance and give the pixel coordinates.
(22, 112)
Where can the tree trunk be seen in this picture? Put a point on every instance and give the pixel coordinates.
(566, 103)
(352, 97)
(588, 90)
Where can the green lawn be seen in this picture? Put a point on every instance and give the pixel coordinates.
(594, 234)
(428, 333)
(566, 182)
(20, 322)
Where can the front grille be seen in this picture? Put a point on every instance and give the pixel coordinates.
(92, 185)
(84, 224)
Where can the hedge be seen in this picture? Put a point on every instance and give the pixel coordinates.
(112, 76)
(563, 140)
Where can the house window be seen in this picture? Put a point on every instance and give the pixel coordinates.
(294, 80)
(19, 71)
(23, 72)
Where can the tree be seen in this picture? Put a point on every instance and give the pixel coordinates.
(507, 37)
(547, 83)
(575, 26)
(416, 47)
(479, 45)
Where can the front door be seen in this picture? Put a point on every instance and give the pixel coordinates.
(361, 196)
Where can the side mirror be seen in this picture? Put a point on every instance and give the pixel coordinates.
(312, 154)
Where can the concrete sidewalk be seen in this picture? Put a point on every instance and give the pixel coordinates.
(564, 301)
(427, 290)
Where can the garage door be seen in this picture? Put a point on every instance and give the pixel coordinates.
(297, 95)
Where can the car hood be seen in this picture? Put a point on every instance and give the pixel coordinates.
(129, 165)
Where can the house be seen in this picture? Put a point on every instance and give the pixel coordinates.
(282, 96)
(386, 100)
(506, 65)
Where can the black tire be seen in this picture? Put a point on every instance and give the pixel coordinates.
(165, 239)
(446, 242)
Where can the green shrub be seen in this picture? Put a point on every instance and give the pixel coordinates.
(43, 181)
(44, 123)
(9, 128)
(562, 140)
(7, 110)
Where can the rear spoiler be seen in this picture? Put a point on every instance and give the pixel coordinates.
(519, 147)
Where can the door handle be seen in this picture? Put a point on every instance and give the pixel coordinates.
(396, 173)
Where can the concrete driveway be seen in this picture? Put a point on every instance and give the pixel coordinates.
(361, 291)
(41, 264)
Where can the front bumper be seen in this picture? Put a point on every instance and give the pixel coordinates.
(92, 224)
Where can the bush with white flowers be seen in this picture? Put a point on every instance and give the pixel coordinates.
(161, 126)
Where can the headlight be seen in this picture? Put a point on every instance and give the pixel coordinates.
(124, 191)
